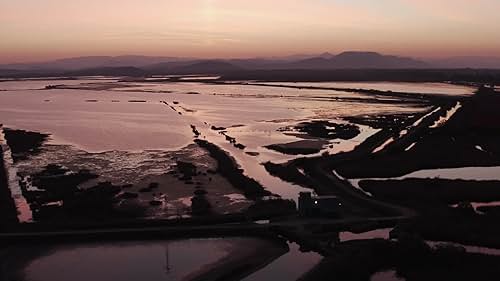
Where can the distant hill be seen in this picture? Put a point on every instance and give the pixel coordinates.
(369, 60)
(166, 67)
(146, 65)
(374, 60)
(260, 63)
(312, 63)
(207, 67)
(108, 71)
(327, 55)
(7, 72)
(193, 67)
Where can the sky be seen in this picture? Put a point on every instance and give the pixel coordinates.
(38, 30)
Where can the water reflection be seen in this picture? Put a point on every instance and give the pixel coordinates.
(464, 173)
(110, 124)
(168, 260)
(389, 275)
(382, 233)
(290, 266)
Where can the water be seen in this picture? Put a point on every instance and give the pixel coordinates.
(194, 78)
(290, 266)
(107, 132)
(116, 136)
(464, 173)
(114, 123)
(391, 275)
(382, 233)
(151, 260)
(155, 260)
(97, 126)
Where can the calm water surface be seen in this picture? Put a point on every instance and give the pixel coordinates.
(152, 261)
(132, 124)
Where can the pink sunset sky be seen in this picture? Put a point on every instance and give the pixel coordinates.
(37, 30)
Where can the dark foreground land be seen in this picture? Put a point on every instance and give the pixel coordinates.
(442, 209)
(8, 212)
(441, 206)
(410, 258)
(59, 197)
(464, 76)
(295, 74)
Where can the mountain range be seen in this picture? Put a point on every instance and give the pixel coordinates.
(142, 65)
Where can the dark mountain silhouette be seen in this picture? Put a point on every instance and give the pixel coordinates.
(359, 60)
(341, 61)
(108, 71)
(297, 57)
(166, 67)
(207, 67)
(327, 55)
(374, 60)
(311, 63)
(259, 63)
(323, 61)
(7, 72)
(145, 65)
(294, 57)
(194, 67)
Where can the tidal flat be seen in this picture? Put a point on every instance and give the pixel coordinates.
(135, 144)
(189, 153)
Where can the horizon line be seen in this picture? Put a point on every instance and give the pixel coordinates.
(269, 57)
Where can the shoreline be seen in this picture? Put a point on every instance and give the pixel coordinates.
(8, 210)
(242, 261)
(243, 254)
(228, 168)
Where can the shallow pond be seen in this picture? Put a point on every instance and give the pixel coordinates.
(106, 261)
(138, 127)
(290, 266)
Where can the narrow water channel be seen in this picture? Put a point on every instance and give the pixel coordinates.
(23, 210)
(291, 266)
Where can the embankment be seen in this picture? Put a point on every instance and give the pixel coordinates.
(8, 212)
(228, 167)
